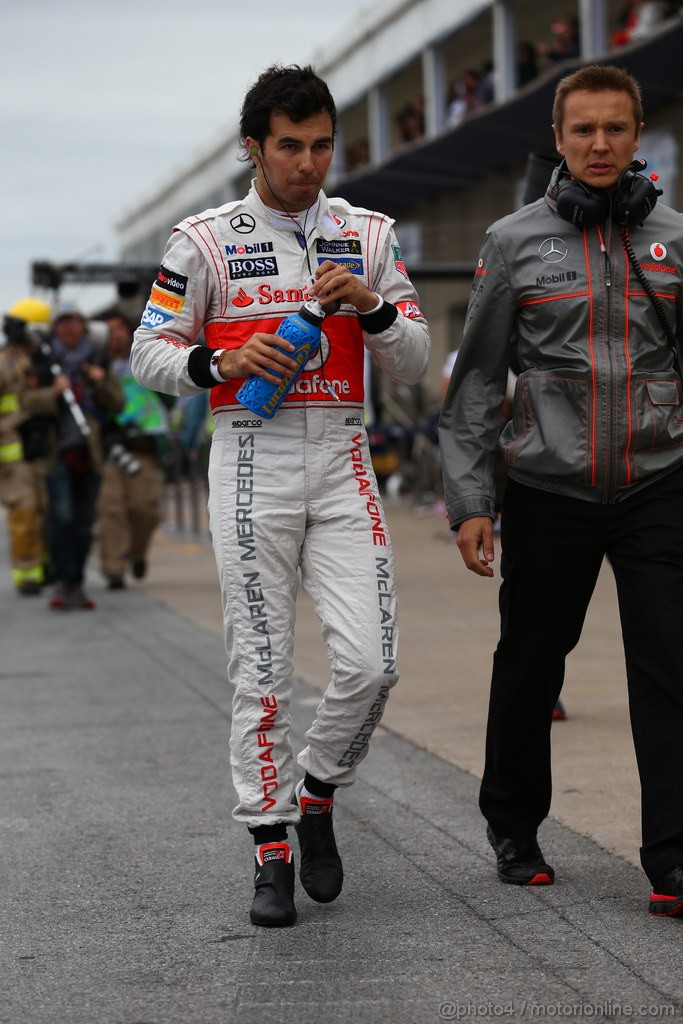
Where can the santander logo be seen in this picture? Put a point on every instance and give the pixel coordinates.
(242, 299)
(658, 251)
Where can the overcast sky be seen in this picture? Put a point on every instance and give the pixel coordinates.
(101, 101)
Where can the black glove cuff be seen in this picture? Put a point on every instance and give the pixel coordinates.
(199, 367)
(375, 323)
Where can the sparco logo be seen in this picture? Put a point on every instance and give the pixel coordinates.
(239, 269)
(249, 424)
(552, 250)
(555, 278)
(353, 421)
(249, 250)
(243, 223)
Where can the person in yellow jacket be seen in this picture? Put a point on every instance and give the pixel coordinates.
(22, 489)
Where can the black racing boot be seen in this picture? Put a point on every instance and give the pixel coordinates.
(666, 898)
(321, 871)
(520, 861)
(273, 905)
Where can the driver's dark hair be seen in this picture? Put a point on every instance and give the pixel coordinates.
(294, 91)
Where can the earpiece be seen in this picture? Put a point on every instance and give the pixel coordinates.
(631, 203)
(254, 151)
(636, 195)
(581, 205)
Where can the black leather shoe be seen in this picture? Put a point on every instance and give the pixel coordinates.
(520, 861)
(321, 871)
(666, 898)
(273, 905)
(140, 569)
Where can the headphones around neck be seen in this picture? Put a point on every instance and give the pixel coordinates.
(633, 200)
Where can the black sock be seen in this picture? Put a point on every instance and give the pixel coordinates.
(269, 833)
(317, 788)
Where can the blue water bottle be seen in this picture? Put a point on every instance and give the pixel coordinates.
(303, 330)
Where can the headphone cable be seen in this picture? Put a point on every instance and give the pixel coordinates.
(650, 292)
(302, 231)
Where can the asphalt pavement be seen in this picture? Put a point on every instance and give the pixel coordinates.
(126, 885)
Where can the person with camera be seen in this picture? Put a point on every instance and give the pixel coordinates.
(83, 394)
(132, 488)
(294, 491)
(588, 281)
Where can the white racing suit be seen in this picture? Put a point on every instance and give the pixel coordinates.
(295, 493)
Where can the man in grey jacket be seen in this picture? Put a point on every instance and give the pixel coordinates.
(588, 281)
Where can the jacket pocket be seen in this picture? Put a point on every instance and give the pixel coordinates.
(549, 434)
(659, 416)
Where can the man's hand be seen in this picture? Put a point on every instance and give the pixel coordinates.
(94, 373)
(473, 534)
(60, 384)
(335, 284)
(258, 355)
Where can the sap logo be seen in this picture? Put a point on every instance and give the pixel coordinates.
(239, 269)
(154, 317)
(355, 266)
(249, 250)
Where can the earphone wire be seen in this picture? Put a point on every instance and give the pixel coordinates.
(287, 213)
(302, 230)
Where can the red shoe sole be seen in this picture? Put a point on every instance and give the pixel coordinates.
(666, 906)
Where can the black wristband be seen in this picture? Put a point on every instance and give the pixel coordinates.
(199, 367)
(375, 323)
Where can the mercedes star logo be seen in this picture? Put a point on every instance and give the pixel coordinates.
(243, 224)
(552, 250)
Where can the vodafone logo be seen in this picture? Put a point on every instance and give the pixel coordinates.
(658, 251)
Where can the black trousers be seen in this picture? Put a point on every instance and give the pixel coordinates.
(552, 549)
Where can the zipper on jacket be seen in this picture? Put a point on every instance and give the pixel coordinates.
(612, 398)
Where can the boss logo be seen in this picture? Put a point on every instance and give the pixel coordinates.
(239, 269)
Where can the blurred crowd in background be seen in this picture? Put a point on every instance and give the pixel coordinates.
(86, 453)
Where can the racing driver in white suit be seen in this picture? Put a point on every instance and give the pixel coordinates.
(295, 493)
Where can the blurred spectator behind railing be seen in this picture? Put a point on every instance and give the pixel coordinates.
(357, 155)
(464, 97)
(411, 120)
(565, 42)
(527, 63)
(640, 17)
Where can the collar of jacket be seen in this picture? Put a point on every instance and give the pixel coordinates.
(326, 224)
(559, 175)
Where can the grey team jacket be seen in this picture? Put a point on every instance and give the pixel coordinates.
(234, 271)
(597, 409)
